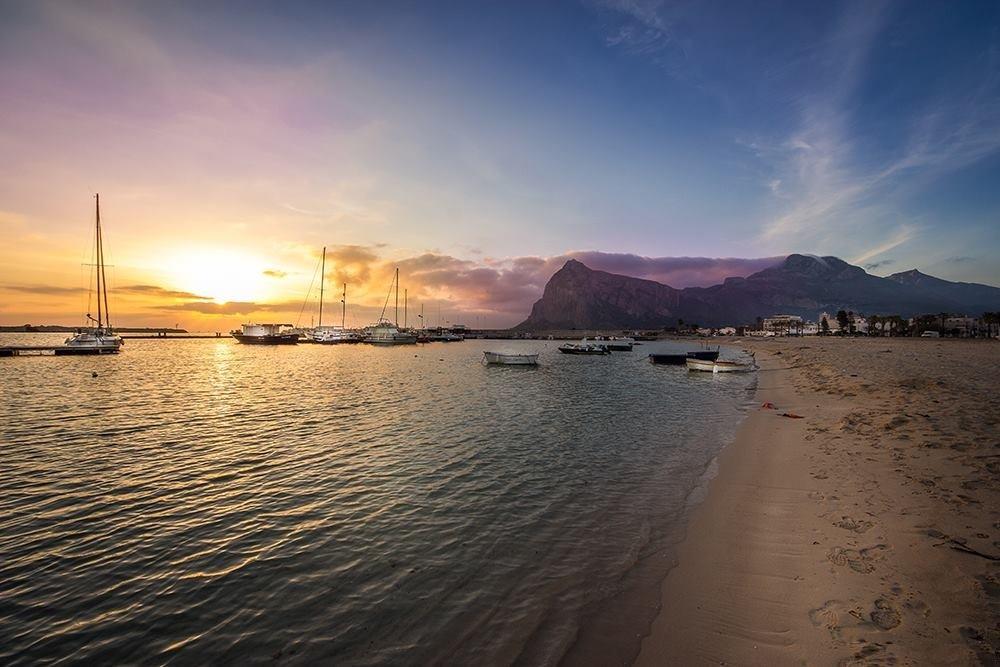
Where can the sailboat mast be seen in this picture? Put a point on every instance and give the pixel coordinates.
(322, 280)
(397, 296)
(343, 312)
(97, 251)
(405, 320)
(104, 276)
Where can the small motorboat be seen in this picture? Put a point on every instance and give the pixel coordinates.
(509, 358)
(704, 355)
(668, 359)
(583, 348)
(716, 366)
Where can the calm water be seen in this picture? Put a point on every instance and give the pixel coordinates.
(205, 501)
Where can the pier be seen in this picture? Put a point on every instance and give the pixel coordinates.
(50, 351)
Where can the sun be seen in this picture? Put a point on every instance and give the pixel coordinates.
(223, 275)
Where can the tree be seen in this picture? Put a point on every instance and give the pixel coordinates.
(874, 322)
(842, 321)
(824, 326)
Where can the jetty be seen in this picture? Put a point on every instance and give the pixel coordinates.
(50, 351)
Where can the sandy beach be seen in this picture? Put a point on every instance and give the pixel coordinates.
(866, 531)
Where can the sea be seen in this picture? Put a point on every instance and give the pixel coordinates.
(202, 501)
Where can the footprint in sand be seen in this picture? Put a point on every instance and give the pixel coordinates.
(884, 616)
(853, 525)
(862, 560)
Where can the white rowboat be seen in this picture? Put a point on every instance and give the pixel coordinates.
(510, 359)
(720, 366)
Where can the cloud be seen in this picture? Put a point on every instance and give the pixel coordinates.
(898, 238)
(274, 273)
(231, 307)
(961, 259)
(153, 290)
(45, 290)
(831, 187)
(876, 265)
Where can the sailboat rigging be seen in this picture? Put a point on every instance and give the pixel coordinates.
(100, 338)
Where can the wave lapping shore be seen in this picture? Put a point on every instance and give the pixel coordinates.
(854, 519)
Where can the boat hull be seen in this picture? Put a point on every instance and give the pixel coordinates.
(274, 339)
(668, 359)
(704, 355)
(718, 366)
(503, 359)
(593, 351)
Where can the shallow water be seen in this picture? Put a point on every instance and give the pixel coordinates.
(203, 501)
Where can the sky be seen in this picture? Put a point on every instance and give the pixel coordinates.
(477, 146)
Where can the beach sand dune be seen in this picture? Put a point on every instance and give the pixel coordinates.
(867, 532)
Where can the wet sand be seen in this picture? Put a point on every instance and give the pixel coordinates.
(866, 532)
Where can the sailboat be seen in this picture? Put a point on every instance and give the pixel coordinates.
(331, 335)
(385, 332)
(98, 339)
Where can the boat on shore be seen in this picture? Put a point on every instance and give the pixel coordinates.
(101, 338)
(265, 334)
(717, 366)
(583, 348)
(509, 358)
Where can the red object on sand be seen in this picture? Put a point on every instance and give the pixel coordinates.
(768, 406)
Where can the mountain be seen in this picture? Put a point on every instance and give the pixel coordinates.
(969, 297)
(578, 297)
(576, 294)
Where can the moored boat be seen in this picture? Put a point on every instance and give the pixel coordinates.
(717, 366)
(668, 359)
(509, 358)
(265, 334)
(334, 336)
(583, 348)
(101, 338)
(704, 355)
(613, 343)
(387, 333)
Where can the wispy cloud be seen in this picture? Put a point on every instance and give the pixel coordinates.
(836, 190)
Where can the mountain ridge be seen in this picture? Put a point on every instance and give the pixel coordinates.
(579, 297)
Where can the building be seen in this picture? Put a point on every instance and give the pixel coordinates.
(783, 325)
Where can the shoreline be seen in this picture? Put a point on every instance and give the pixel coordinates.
(824, 539)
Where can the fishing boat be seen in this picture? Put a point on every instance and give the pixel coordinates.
(100, 338)
(717, 366)
(510, 359)
(613, 343)
(265, 334)
(668, 359)
(704, 355)
(583, 348)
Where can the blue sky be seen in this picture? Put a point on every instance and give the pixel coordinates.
(485, 132)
